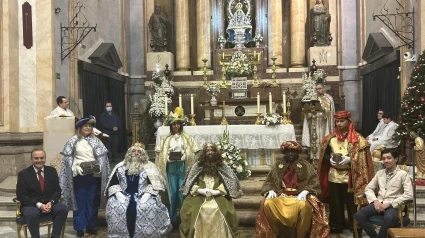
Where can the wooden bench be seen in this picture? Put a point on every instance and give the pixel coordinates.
(405, 232)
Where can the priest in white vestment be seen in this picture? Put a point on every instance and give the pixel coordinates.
(324, 122)
(381, 125)
(385, 135)
(62, 108)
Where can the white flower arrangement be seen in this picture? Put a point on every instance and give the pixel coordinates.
(213, 89)
(163, 91)
(309, 84)
(221, 39)
(239, 65)
(233, 157)
(271, 119)
(258, 38)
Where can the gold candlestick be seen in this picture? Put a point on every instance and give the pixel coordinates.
(274, 83)
(192, 119)
(205, 73)
(165, 120)
(256, 84)
(258, 121)
(223, 77)
(223, 118)
(286, 115)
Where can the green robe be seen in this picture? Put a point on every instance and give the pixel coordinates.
(193, 202)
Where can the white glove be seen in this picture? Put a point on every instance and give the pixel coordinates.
(214, 192)
(145, 197)
(120, 197)
(183, 156)
(76, 170)
(302, 196)
(345, 160)
(333, 163)
(271, 194)
(202, 191)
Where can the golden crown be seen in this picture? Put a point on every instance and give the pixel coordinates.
(138, 144)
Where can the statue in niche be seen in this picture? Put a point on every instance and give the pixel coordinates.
(158, 29)
(321, 24)
(239, 28)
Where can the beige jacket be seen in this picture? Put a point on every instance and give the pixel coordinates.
(397, 189)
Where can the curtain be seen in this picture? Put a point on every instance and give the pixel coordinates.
(96, 90)
(117, 98)
(381, 90)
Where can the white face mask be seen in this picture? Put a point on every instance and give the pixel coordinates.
(109, 109)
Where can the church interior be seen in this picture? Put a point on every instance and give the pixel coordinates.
(249, 67)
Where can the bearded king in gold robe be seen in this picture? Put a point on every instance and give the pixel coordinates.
(291, 208)
(345, 168)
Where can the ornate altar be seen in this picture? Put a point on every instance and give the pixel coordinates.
(239, 28)
(239, 87)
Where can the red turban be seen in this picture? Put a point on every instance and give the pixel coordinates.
(351, 134)
(290, 145)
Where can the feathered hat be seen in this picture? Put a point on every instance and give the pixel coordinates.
(90, 120)
(177, 116)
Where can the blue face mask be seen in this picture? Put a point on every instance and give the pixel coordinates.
(109, 109)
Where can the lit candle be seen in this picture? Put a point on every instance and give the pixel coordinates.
(254, 54)
(223, 56)
(180, 100)
(191, 104)
(166, 105)
(258, 102)
(270, 102)
(157, 68)
(284, 102)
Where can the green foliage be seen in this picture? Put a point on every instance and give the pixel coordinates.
(413, 105)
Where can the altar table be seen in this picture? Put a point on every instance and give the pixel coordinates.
(249, 138)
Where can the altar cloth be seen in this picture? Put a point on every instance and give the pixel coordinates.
(243, 136)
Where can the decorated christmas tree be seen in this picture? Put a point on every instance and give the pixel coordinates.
(413, 105)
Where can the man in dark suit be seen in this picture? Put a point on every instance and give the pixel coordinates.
(38, 191)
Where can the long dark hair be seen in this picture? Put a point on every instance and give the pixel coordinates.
(210, 165)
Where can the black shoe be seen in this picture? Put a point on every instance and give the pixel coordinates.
(91, 231)
(80, 233)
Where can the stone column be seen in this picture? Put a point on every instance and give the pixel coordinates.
(181, 13)
(220, 12)
(298, 18)
(275, 32)
(258, 17)
(203, 32)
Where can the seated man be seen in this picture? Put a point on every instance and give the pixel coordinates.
(38, 191)
(379, 127)
(386, 133)
(393, 185)
(209, 188)
(134, 207)
(290, 190)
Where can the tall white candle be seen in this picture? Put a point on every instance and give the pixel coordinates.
(284, 101)
(258, 102)
(270, 102)
(180, 100)
(191, 104)
(166, 105)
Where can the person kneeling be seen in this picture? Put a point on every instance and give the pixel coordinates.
(133, 189)
(290, 190)
(390, 182)
(209, 187)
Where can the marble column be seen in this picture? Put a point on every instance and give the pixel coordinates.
(203, 32)
(220, 12)
(298, 18)
(258, 17)
(181, 13)
(275, 32)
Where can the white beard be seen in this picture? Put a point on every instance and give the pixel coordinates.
(134, 168)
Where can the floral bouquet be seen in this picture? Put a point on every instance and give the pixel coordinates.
(271, 119)
(309, 84)
(239, 65)
(163, 91)
(258, 38)
(213, 89)
(221, 39)
(233, 157)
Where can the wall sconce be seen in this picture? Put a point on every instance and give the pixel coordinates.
(57, 10)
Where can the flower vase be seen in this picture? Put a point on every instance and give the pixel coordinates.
(213, 101)
(221, 45)
(157, 123)
(257, 43)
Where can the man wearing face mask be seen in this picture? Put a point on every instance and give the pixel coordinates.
(111, 125)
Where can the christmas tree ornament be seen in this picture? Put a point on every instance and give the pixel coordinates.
(417, 67)
(417, 90)
(406, 106)
(406, 93)
(420, 116)
(422, 99)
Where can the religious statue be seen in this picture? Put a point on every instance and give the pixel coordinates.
(239, 28)
(158, 29)
(419, 155)
(321, 23)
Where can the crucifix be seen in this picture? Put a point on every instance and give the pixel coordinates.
(223, 119)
